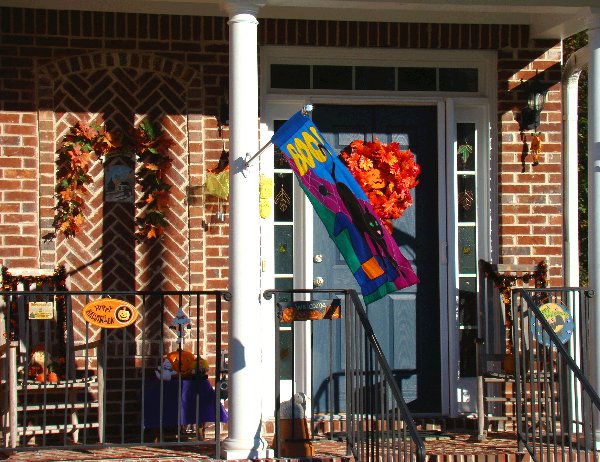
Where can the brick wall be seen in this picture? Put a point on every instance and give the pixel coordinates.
(41, 51)
(57, 67)
(529, 198)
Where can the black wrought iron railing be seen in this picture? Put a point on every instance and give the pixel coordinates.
(378, 423)
(557, 407)
(65, 380)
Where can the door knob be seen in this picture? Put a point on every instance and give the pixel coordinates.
(318, 281)
(318, 258)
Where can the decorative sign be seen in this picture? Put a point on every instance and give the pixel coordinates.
(110, 313)
(41, 310)
(119, 182)
(309, 310)
(559, 318)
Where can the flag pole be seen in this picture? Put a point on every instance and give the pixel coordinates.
(305, 110)
(258, 153)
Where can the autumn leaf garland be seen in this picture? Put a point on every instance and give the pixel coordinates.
(79, 145)
(85, 143)
(151, 148)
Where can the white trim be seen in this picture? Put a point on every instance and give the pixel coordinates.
(484, 61)
(282, 110)
(477, 114)
(450, 284)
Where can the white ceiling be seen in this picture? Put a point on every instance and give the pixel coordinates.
(547, 18)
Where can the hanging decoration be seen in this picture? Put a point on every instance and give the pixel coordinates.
(559, 318)
(283, 200)
(85, 143)
(369, 250)
(536, 148)
(181, 322)
(217, 182)
(385, 173)
(265, 187)
(74, 157)
(151, 146)
(464, 152)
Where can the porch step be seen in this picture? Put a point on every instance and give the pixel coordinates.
(52, 387)
(34, 430)
(500, 399)
(58, 406)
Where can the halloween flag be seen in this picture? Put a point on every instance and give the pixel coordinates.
(367, 247)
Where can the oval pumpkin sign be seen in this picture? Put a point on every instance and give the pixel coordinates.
(110, 313)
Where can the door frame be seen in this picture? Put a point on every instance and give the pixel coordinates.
(282, 103)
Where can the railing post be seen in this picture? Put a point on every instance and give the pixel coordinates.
(12, 392)
(101, 362)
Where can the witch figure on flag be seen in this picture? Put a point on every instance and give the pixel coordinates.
(366, 245)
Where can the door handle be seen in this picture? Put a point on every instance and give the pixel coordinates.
(318, 281)
(318, 258)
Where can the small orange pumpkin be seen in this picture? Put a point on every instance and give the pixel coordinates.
(188, 361)
(40, 377)
(52, 377)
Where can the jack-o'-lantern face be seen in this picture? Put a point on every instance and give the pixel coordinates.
(188, 361)
(123, 314)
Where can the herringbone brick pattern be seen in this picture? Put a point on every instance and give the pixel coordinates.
(121, 97)
(120, 90)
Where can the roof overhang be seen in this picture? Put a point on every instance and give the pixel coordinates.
(546, 18)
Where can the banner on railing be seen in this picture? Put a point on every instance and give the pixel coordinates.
(366, 245)
(313, 310)
(560, 320)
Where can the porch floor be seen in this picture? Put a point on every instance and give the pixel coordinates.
(441, 447)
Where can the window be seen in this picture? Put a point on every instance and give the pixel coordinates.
(466, 159)
(284, 251)
(381, 78)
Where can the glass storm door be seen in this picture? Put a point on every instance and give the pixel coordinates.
(407, 323)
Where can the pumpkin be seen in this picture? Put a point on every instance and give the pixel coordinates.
(188, 361)
(52, 377)
(40, 377)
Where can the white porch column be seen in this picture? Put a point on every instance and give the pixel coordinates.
(594, 190)
(245, 391)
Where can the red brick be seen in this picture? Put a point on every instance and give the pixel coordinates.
(20, 130)
(531, 240)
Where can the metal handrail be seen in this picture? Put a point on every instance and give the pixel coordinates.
(379, 424)
(557, 407)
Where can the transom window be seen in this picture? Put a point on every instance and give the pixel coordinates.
(381, 78)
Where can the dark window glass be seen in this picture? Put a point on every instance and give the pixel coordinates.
(416, 79)
(467, 249)
(374, 78)
(458, 79)
(278, 156)
(284, 210)
(332, 77)
(286, 355)
(467, 302)
(467, 352)
(290, 76)
(466, 198)
(284, 249)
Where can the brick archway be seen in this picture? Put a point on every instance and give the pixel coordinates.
(118, 89)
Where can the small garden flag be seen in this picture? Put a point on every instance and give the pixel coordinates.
(368, 248)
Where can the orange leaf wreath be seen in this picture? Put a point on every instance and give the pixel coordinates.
(385, 173)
